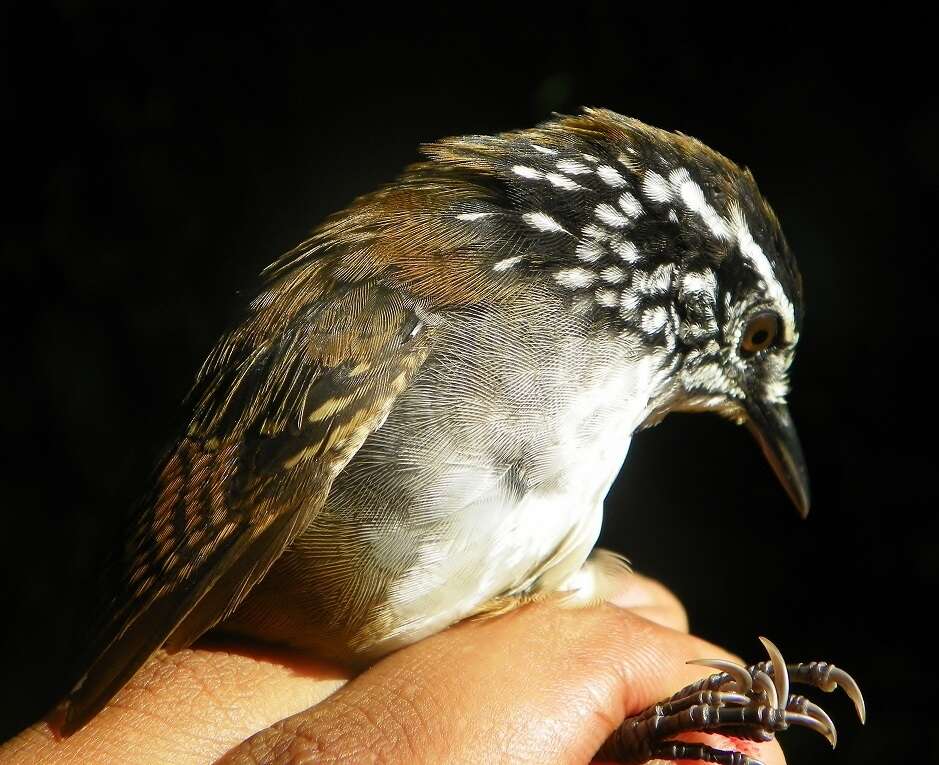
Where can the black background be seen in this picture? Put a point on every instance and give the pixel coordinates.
(160, 157)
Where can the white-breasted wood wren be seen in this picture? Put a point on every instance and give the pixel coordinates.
(421, 412)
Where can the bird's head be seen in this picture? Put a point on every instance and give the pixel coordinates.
(655, 236)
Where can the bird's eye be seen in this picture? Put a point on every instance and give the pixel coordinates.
(761, 333)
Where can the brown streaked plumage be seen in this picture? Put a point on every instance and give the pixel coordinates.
(419, 416)
(281, 405)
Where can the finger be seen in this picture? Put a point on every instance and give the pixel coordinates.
(543, 684)
(188, 708)
(650, 599)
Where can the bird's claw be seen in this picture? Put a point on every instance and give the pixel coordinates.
(830, 678)
(746, 702)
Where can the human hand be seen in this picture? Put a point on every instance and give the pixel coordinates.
(540, 684)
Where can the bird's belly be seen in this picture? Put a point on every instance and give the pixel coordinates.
(363, 580)
(491, 551)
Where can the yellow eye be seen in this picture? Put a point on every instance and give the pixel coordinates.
(761, 333)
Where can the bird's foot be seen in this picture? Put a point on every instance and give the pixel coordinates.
(751, 703)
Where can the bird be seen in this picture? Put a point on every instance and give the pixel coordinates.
(419, 414)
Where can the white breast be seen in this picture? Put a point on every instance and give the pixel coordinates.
(497, 547)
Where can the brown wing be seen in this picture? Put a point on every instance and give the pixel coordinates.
(285, 400)
(281, 406)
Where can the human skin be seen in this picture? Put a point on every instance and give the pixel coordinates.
(545, 683)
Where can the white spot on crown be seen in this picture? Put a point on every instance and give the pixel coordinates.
(543, 222)
(611, 216)
(505, 265)
(613, 274)
(527, 172)
(563, 182)
(610, 176)
(571, 167)
(598, 234)
(588, 251)
(626, 250)
(575, 278)
(693, 198)
(657, 188)
(630, 205)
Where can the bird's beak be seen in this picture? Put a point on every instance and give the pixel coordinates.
(773, 429)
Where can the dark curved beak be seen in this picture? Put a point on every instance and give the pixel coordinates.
(773, 429)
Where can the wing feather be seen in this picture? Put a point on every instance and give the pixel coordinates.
(281, 406)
